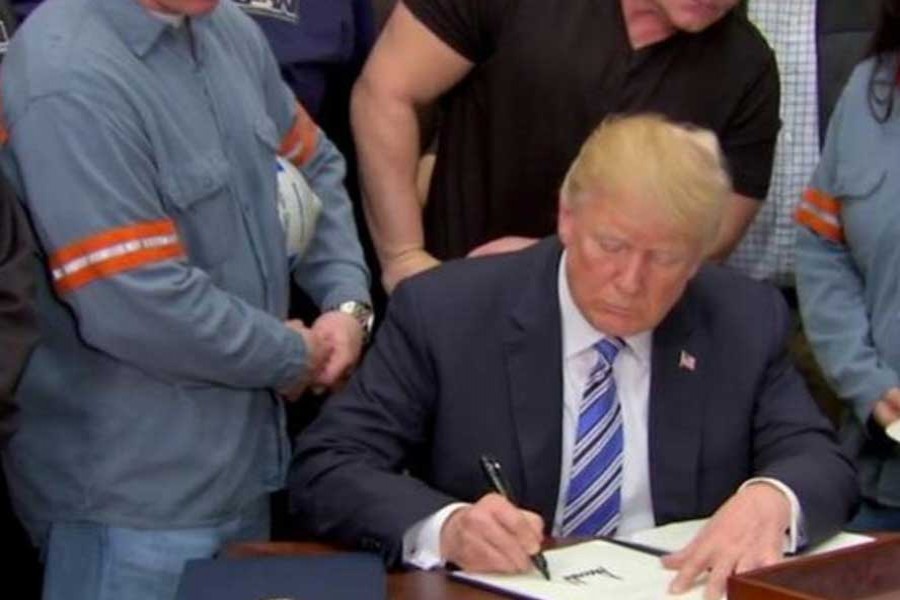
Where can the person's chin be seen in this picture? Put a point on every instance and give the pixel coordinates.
(696, 20)
(617, 322)
(693, 25)
(203, 7)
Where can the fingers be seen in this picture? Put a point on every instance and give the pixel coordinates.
(535, 523)
(492, 528)
(523, 526)
(746, 533)
(892, 396)
(721, 570)
(690, 562)
(342, 336)
(502, 245)
(887, 409)
(695, 564)
(314, 360)
(716, 567)
(333, 347)
(336, 369)
(317, 351)
(492, 536)
(719, 567)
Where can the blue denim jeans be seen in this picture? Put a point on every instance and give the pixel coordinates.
(92, 561)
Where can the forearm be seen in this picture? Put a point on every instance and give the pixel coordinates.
(738, 215)
(172, 321)
(386, 132)
(836, 322)
(375, 510)
(333, 269)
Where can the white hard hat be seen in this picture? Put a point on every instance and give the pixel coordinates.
(298, 207)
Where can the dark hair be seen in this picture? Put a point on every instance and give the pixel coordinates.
(885, 42)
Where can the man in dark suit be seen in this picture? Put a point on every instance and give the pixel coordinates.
(622, 383)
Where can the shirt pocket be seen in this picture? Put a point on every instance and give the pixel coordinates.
(860, 188)
(857, 180)
(207, 217)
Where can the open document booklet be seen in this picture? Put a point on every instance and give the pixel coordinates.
(598, 569)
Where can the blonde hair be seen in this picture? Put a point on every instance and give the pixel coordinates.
(679, 168)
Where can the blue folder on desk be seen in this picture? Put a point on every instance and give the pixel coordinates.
(350, 576)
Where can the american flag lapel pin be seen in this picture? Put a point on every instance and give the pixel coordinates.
(687, 361)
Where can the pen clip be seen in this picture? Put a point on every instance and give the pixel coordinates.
(493, 472)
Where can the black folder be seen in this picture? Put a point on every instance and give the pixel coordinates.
(346, 576)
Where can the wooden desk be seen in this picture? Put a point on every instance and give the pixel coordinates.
(867, 572)
(405, 585)
(849, 573)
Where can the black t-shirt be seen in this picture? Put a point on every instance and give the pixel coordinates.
(547, 73)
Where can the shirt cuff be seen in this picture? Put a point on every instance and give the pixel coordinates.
(422, 541)
(795, 537)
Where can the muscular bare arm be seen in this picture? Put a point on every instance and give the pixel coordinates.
(409, 67)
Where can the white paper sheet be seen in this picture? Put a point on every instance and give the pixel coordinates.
(600, 569)
(589, 571)
(674, 536)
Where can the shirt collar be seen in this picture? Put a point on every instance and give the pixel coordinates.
(173, 20)
(579, 335)
(138, 27)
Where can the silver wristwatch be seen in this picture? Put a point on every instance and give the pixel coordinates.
(363, 314)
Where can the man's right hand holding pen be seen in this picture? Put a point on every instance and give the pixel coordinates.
(492, 536)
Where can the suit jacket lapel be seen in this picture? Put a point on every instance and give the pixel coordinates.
(676, 412)
(533, 346)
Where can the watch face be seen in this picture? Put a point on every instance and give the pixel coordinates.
(361, 312)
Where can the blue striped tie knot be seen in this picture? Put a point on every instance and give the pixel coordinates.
(593, 497)
(608, 348)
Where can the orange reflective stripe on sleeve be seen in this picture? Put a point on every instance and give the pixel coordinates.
(114, 251)
(823, 202)
(822, 214)
(299, 143)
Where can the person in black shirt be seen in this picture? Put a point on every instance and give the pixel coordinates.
(521, 84)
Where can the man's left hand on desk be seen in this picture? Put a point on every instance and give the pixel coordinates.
(746, 533)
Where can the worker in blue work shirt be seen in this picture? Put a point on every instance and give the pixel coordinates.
(142, 137)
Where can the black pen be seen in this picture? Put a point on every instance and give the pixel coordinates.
(652, 550)
(494, 474)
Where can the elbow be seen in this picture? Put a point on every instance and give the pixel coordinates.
(374, 101)
(113, 338)
(363, 102)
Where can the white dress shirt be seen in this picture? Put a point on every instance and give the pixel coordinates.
(631, 372)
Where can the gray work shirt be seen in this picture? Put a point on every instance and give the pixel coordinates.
(146, 157)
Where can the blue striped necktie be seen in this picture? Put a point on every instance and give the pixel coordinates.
(594, 496)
